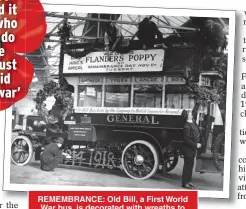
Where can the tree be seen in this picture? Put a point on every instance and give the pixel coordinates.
(204, 95)
(209, 46)
(210, 58)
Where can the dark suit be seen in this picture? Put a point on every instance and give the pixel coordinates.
(191, 138)
(147, 31)
(51, 157)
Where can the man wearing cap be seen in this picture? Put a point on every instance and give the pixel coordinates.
(52, 155)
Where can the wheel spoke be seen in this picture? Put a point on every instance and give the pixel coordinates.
(20, 144)
(18, 161)
(18, 158)
(23, 157)
(140, 173)
(17, 145)
(149, 162)
(129, 155)
(141, 149)
(170, 158)
(15, 152)
(135, 152)
(147, 168)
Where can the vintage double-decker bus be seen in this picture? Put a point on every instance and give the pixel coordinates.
(131, 107)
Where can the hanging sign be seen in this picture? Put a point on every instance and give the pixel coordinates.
(205, 81)
(149, 79)
(174, 80)
(98, 62)
(118, 80)
(80, 132)
(91, 80)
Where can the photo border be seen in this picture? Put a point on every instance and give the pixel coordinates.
(8, 186)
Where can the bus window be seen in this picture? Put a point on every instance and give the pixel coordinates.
(117, 96)
(176, 97)
(90, 96)
(147, 96)
(173, 101)
(188, 102)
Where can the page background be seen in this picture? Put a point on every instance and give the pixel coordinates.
(21, 197)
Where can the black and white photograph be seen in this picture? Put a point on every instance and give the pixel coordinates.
(126, 98)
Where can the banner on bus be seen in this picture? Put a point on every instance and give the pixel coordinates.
(130, 110)
(99, 62)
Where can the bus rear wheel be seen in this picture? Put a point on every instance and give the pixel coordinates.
(170, 159)
(140, 160)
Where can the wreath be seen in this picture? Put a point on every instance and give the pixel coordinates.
(64, 99)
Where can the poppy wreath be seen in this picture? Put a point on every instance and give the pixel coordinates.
(29, 35)
(64, 99)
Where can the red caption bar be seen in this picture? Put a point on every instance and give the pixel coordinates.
(113, 200)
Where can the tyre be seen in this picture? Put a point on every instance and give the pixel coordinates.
(171, 158)
(140, 160)
(21, 150)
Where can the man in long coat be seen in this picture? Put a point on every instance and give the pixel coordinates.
(192, 142)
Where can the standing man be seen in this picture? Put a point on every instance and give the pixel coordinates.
(112, 37)
(192, 142)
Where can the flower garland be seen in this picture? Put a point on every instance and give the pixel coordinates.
(64, 98)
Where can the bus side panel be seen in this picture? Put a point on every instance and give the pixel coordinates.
(129, 120)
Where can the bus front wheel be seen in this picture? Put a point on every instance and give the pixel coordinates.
(21, 150)
(140, 160)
